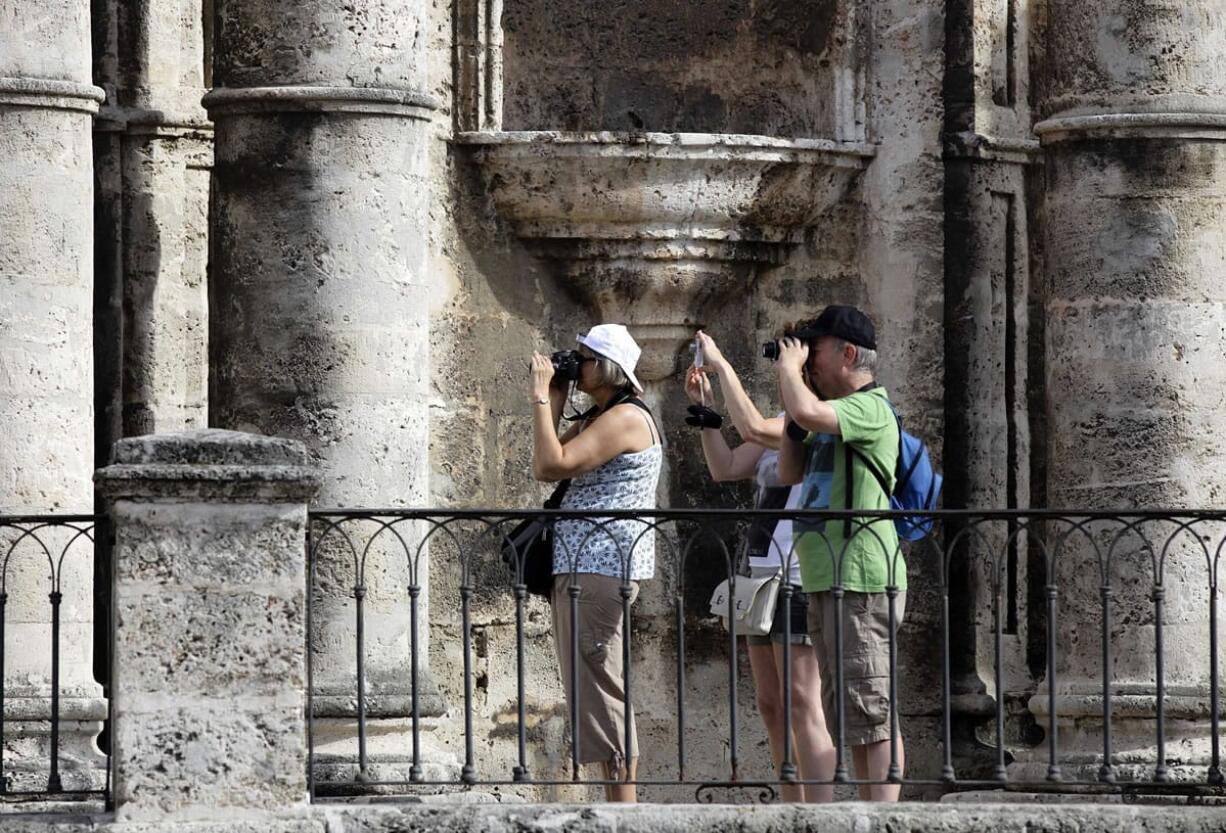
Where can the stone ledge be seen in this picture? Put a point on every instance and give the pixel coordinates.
(51, 94)
(980, 147)
(852, 817)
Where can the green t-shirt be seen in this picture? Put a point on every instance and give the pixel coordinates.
(872, 557)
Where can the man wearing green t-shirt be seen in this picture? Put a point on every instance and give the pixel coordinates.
(838, 418)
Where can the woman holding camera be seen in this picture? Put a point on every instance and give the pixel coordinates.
(770, 550)
(612, 456)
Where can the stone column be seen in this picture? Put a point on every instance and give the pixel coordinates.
(988, 374)
(46, 392)
(319, 303)
(210, 608)
(155, 141)
(1134, 146)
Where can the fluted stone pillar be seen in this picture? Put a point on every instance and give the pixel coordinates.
(155, 138)
(987, 442)
(319, 327)
(1134, 145)
(46, 392)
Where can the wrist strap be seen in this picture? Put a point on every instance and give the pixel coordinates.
(703, 417)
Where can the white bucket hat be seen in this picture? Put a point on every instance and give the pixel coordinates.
(613, 341)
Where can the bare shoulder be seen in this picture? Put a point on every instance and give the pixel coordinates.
(630, 420)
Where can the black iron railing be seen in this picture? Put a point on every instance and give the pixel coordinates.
(42, 557)
(347, 544)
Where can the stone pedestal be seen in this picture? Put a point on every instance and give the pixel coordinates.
(46, 392)
(210, 609)
(320, 324)
(1135, 155)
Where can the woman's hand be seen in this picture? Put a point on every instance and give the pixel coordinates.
(540, 373)
(710, 352)
(697, 386)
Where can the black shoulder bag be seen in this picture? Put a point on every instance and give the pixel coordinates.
(531, 541)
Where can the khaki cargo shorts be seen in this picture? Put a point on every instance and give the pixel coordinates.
(866, 661)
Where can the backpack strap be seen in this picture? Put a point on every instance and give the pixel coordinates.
(875, 469)
(847, 490)
(850, 451)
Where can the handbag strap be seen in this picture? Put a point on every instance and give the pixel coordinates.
(554, 501)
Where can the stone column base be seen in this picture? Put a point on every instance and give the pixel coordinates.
(27, 744)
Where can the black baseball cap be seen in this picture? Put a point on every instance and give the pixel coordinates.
(844, 322)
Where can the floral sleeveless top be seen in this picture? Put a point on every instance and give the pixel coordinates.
(602, 546)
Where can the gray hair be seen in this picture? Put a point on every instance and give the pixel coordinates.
(610, 373)
(866, 359)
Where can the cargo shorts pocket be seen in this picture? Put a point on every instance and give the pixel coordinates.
(866, 678)
(600, 622)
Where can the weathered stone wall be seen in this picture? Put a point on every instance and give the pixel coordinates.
(640, 65)
(153, 153)
(993, 360)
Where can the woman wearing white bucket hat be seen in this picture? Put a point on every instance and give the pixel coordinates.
(612, 456)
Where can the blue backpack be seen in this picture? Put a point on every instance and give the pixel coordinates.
(917, 485)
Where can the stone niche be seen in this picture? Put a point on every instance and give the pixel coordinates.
(655, 229)
(651, 228)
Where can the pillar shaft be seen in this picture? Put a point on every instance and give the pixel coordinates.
(1135, 163)
(46, 404)
(319, 302)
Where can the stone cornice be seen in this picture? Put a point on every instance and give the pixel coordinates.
(971, 145)
(689, 146)
(140, 120)
(54, 95)
(297, 99)
(1140, 125)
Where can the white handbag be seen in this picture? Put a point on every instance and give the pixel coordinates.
(754, 605)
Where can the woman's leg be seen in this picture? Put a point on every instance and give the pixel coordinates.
(627, 793)
(770, 706)
(813, 750)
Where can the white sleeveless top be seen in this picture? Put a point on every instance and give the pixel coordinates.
(780, 551)
(628, 481)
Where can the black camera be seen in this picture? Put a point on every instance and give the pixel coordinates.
(770, 349)
(566, 365)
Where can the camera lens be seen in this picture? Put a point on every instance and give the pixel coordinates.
(770, 350)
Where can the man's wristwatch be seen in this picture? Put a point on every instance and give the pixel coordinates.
(795, 432)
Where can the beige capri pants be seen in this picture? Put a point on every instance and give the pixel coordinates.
(601, 674)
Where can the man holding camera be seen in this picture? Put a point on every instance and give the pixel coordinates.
(840, 422)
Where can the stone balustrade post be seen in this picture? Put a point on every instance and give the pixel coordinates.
(210, 625)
